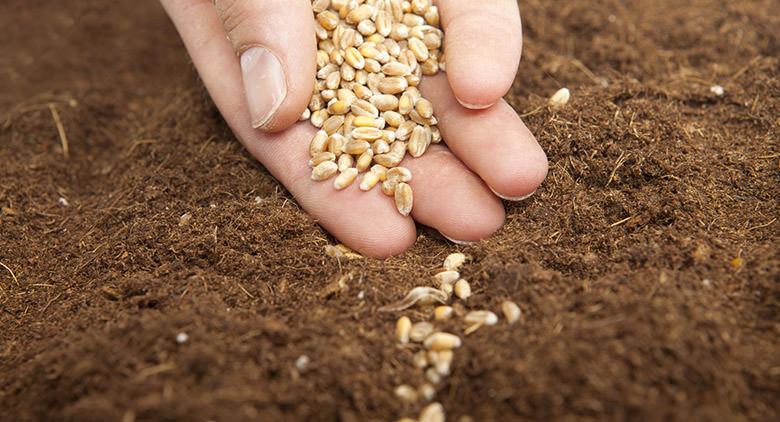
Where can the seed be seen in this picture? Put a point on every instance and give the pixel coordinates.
(420, 359)
(321, 158)
(454, 261)
(434, 412)
(338, 107)
(389, 159)
(356, 147)
(328, 20)
(360, 13)
(363, 108)
(424, 108)
(318, 143)
(442, 313)
(388, 136)
(333, 81)
(353, 58)
(432, 375)
(366, 133)
(432, 16)
(369, 180)
(395, 69)
(367, 121)
(427, 391)
(432, 40)
(462, 289)
(419, 49)
(481, 318)
(441, 361)
(336, 144)
(406, 103)
(345, 161)
(511, 311)
(319, 6)
(419, 141)
(305, 115)
(399, 174)
(404, 198)
(560, 98)
(388, 187)
(324, 171)
(420, 331)
(435, 135)
(406, 393)
(447, 288)
(393, 118)
(385, 102)
(446, 277)
(345, 178)
(364, 160)
(442, 341)
(333, 124)
(380, 171)
(318, 117)
(419, 295)
(380, 147)
(393, 85)
(402, 328)
(366, 27)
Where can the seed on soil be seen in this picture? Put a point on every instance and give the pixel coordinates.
(434, 412)
(182, 338)
(420, 331)
(418, 296)
(426, 391)
(446, 277)
(406, 393)
(402, 328)
(432, 375)
(511, 311)
(441, 361)
(302, 363)
(462, 289)
(442, 313)
(442, 341)
(420, 359)
(454, 261)
(560, 98)
(371, 56)
(477, 319)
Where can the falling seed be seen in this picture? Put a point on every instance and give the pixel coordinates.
(717, 90)
(402, 328)
(185, 219)
(434, 412)
(432, 375)
(418, 296)
(182, 338)
(481, 317)
(462, 289)
(420, 359)
(511, 311)
(454, 261)
(420, 331)
(64, 202)
(426, 391)
(444, 277)
(560, 98)
(442, 313)
(302, 363)
(406, 393)
(442, 341)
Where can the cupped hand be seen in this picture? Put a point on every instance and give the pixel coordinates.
(257, 60)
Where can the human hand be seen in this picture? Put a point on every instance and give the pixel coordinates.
(257, 60)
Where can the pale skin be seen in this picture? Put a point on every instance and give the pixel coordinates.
(489, 153)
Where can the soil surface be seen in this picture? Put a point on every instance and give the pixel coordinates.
(647, 265)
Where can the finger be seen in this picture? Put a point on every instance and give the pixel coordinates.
(451, 198)
(494, 142)
(275, 44)
(367, 222)
(482, 47)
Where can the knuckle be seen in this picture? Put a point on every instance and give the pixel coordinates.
(234, 15)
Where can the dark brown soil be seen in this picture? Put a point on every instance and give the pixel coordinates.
(647, 265)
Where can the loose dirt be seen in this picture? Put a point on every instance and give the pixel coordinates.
(647, 265)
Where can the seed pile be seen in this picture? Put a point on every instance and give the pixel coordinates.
(371, 57)
(437, 348)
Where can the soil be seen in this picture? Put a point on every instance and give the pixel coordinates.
(647, 265)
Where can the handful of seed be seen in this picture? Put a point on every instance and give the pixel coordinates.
(371, 57)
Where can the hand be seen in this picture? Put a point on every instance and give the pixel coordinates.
(257, 60)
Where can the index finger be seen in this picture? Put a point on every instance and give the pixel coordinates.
(483, 44)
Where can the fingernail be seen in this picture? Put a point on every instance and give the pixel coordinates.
(513, 198)
(264, 84)
(458, 242)
(474, 106)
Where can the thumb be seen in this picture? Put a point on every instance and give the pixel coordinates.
(276, 45)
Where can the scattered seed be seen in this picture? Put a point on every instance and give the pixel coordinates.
(418, 296)
(182, 338)
(324, 171)
(446, 277)
(481, 317)
(402, 329)
(345, 178)
(442, 341)
(406, 393)
(302, 363)
(442, 361)
(404, 198)
(432, 375)
(454, 261)
(462, 289)
(511, 311)
(420, 359)
(560, 98)
(426, 391)
(420, 331)
(434, 412)
(442, 313)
